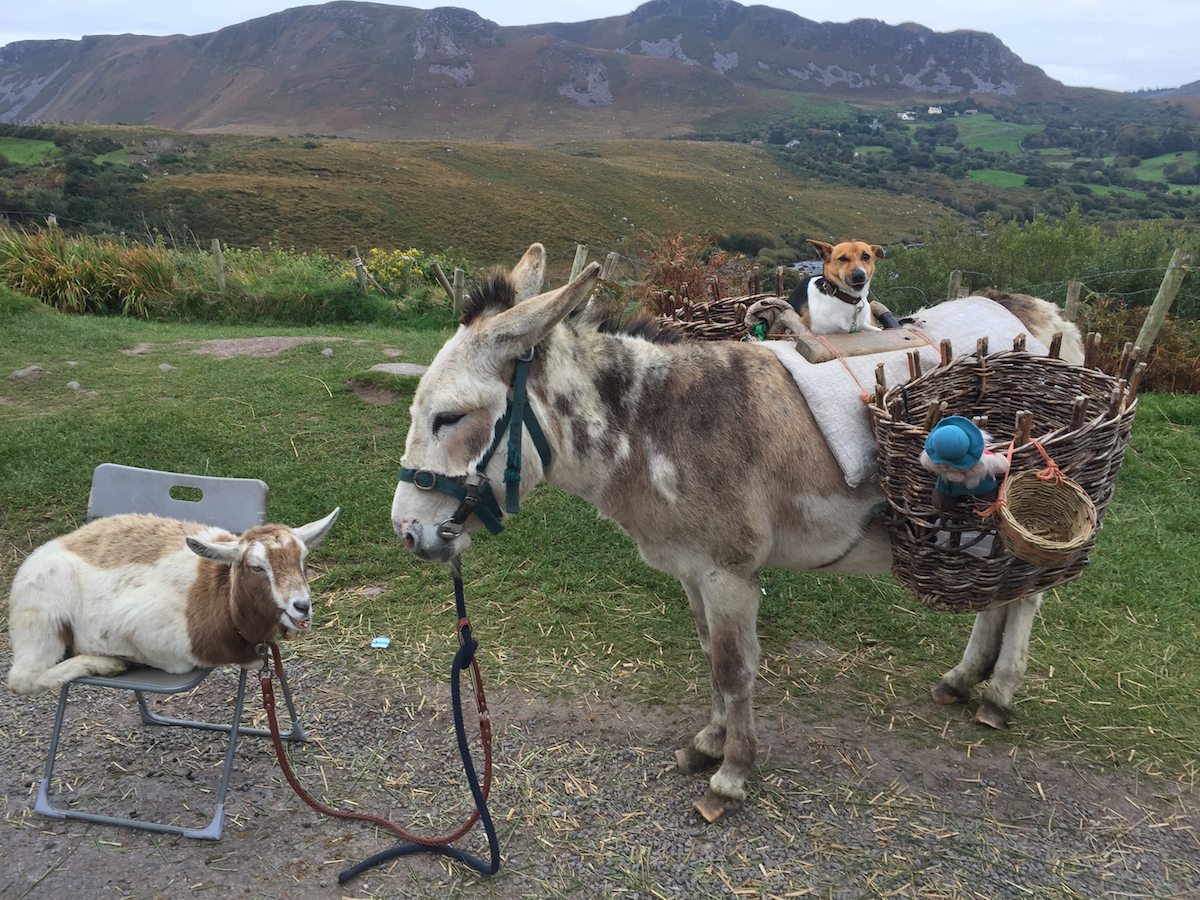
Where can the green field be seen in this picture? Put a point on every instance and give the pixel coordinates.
(985, 132)
(27, 152)
(997, 178)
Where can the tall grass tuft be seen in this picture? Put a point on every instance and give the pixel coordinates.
(84, 274)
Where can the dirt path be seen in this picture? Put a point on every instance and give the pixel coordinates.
(587, 801)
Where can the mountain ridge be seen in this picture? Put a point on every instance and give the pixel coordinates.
(377, 71)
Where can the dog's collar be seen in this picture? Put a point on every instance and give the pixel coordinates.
(825, 286)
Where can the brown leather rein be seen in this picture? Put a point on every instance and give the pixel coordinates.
(267, 678)
(479, 791)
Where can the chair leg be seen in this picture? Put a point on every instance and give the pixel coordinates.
(211, 832)
(43, 804)
(296, 733)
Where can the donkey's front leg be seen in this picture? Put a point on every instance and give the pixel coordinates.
(707, 748)
(731, 606)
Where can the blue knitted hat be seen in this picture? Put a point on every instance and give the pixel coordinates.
(955, 441)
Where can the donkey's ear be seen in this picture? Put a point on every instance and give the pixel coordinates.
(515, 330)
(528, 274)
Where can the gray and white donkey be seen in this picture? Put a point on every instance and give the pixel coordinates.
(704, 452)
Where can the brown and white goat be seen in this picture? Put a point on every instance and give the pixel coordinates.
(160, 592)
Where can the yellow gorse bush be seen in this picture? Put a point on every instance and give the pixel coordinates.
(398, 272)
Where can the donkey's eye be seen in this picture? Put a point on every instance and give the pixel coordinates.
(443, 419)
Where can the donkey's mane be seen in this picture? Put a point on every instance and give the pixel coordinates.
(496, 293)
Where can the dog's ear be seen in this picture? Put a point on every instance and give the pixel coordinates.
(878, 251)
(826, 250)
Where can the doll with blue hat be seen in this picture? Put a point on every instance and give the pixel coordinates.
(954, 451)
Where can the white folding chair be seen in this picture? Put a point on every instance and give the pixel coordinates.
(234, 504)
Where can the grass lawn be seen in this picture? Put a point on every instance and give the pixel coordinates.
(28, 152)
(562, 595)
(1152, 169)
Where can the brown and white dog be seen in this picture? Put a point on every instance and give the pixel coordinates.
(835, 302)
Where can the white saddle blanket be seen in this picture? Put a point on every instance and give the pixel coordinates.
(835, 397)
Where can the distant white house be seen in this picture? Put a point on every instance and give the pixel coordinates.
(935, 110)
(906, 116)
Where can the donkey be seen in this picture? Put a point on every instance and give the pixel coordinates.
(705, 453)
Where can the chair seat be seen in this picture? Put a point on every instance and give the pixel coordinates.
(149, 679)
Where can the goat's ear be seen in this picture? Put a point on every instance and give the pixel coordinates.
(314, 532)
(226, 552)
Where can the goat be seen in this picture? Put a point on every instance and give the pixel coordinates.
(161, 592)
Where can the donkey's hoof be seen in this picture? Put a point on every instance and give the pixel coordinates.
(691, 761)
(993, 716)
(947, 695)
(714, 807)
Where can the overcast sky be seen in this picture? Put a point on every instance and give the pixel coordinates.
(1093, 43)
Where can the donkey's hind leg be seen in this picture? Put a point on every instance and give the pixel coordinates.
(1008, 673)
(999, 649)
(978, 658)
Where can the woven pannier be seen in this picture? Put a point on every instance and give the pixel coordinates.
(964, 560)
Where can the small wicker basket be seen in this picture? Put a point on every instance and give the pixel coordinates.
(980, 556)
(1044, 521)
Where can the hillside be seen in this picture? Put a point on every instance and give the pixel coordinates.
(670, 68)
(490, 201)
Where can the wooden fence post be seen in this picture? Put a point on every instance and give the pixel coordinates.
(359, 268)
(1072, 310)
(1162, 302)
(219, 260)
(581, 252)
(955, 285)
(610, 266)
(443, 281)
(457, 296)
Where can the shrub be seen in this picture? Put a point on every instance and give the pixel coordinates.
(1173, 361)
(690, 264)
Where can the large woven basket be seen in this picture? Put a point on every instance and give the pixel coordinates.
(960, 561)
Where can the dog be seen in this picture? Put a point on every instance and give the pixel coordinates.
(835, 302)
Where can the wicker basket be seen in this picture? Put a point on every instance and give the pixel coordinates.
(709, 320)
(1044, 521)
(961, 561)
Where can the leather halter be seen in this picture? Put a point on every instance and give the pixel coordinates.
(474, 492)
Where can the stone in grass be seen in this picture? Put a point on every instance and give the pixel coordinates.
(166, 367)
(327, 352)
(28, 373)
(73, 385)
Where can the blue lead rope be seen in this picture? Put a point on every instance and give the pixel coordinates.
(463, 659)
